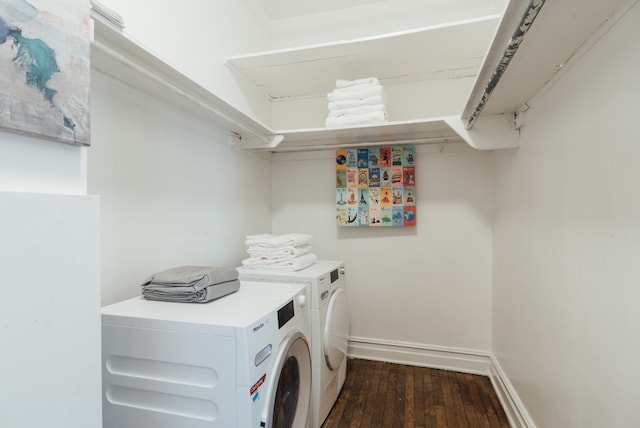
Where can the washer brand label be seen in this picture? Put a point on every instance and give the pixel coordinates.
(258, 384)
(258, 327)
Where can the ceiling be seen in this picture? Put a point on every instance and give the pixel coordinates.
(279, 9)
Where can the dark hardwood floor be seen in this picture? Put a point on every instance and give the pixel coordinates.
(378, 394)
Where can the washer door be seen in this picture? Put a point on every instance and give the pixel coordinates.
(336, 329)
(289, 399)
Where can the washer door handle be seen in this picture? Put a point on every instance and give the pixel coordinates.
(263, 355)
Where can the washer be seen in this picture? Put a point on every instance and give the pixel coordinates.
(326, 282)
(240, 361)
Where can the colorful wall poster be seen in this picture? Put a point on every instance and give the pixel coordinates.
(376, 187)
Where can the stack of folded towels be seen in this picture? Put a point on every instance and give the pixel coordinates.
(280, 252)
(191, 284)
(356, 102)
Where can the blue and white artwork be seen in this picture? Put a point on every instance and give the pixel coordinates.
(45, 68)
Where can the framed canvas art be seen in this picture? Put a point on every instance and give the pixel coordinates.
(376, 186)
(44, 69)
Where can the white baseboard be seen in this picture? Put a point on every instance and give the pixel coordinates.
(511, 403)
(447, 358)
(437, 357)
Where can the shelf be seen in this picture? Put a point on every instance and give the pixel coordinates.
(116, 55)
(440, 52)
(436, 130)
(448, 52)
(519, 66)
(517, 69)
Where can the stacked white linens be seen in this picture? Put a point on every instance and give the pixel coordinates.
(282, 263)
(191, 284)
(280, 252)
(107, 13)
(356, 102)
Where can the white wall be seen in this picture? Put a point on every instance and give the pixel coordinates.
(428, 285)
(30, 164)
(173, 191)
(566, 244)
(49, 311)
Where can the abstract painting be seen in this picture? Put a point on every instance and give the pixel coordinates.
(376, 186)
(44, 69)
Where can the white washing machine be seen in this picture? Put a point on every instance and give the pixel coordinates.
(240, 361)
(326, 282)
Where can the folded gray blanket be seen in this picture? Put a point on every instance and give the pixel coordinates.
(197, 277)
(207, 294)
(191, 284)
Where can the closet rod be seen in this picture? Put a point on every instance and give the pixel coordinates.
(319, 147)
(500, 55)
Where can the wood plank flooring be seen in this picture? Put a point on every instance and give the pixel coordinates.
(385, 395)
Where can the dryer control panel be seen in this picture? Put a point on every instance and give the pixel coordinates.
(285, 314)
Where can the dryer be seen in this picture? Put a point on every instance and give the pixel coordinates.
(240, 361)
(326, 281)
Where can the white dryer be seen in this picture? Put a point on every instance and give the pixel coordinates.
(240, 361)
(326, 282)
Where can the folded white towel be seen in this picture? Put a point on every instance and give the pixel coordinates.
(356, 93)
(351, 89)
(279, 252)
(270, 241)
(360, 119)
(369, 101)
(357, 110)
(287, 263)
(342, 83)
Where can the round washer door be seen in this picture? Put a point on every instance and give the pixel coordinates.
(288, 403)
(336, 329)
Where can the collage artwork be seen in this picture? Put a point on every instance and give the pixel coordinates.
(375, 186)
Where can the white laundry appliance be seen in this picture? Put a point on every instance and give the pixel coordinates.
(240, 361)
(326, 282)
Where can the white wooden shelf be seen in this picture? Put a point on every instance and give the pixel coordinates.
(514, 72)
(439, 52)
(115, 54)
(435, 130)
(520, 67)
(443, 52)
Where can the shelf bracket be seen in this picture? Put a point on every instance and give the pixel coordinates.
(257, 141)
(499, 131)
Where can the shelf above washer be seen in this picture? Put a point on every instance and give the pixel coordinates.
(115, 54)
(435, 130)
